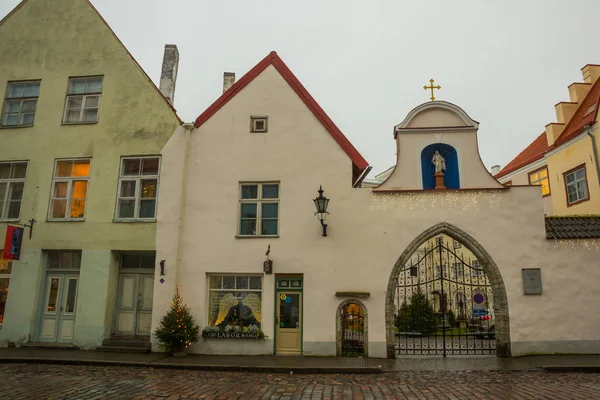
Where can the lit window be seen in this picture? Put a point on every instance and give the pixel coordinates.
(138, 188)
(20, 103)
(5, 269)
(258, 124)
(12, 185)
(576, 185)
(259, 209)
(83, 100)
(69, 189)
(540, 178)
(235, 300)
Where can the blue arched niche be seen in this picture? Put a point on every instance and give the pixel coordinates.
(451, 177)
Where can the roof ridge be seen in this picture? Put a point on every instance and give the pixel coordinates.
(273, 59)
(521, 163)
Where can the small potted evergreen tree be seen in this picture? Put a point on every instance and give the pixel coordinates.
(177, 330)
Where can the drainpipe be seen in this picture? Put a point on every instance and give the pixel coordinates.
(588, 130)
(188, 126)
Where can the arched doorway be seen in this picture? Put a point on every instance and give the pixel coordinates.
(440, 302)
(352, 329)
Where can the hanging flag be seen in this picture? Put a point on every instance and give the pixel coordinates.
(12, 244)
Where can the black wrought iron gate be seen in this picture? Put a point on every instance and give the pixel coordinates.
(353, 331)
(444, 303)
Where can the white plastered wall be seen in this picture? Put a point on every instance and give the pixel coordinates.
(367, 232)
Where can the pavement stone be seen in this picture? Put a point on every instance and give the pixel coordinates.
(76, 382)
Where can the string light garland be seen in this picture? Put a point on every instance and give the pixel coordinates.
(577, 244)
(461, 200)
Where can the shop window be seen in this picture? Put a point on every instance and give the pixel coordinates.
(235, 300)
(5, 269)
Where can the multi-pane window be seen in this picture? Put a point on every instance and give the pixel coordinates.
(259, 209)
(64, 259)
(458, 270)
(69, 189)
(576, 185)
(83, 100)
(5, 269)
(138, 188)
(20, 103)
(234, 300)
(137, 261)
(476, 270)
(12, 185)
(540, 178)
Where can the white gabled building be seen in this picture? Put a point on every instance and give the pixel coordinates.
(241, 182)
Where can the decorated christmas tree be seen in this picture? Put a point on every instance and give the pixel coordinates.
(177, 330)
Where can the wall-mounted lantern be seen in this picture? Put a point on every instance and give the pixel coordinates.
(321, 203)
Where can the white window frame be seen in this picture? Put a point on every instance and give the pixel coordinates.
(254, 120)
(22, 100)
(84, 96)
(9, 181)
(234, 275)
(258, 201)
(575, 183)
(69, 198)
(138, 187)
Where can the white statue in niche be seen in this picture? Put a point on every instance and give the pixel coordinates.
(439, 162)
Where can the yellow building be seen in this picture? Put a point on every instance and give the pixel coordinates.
(563, 160)
(81, 127)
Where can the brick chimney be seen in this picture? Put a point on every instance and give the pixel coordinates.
(228, 80)
(168, 75)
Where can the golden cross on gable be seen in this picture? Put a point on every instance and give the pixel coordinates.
(431, 87)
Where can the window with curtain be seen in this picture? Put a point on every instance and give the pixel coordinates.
(540, 178)
(138, 188)
(83, 100)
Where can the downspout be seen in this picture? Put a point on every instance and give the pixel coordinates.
(588, 130)
(188, 126)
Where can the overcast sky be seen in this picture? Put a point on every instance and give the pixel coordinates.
(506, 63)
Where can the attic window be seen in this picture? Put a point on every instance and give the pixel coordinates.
(258, 124)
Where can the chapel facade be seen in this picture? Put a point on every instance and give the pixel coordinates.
(239, 239)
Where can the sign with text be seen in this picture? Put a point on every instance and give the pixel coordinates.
(532, 280)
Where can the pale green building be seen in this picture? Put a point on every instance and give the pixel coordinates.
(81, 130)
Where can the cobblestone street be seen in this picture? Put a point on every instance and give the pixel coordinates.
(36, 382)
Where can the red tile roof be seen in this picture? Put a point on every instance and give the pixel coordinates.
(585, 115)
(533, 152)
(274, 60)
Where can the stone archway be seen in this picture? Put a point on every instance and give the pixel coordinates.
(488, 265)
(338, 326)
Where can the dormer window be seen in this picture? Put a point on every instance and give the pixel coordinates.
(258, 124)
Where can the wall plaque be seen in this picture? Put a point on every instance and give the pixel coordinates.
(532, 281)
